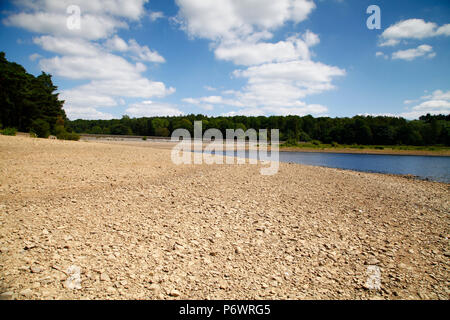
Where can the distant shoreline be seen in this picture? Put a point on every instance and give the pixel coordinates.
(165, 142)
(437, 153)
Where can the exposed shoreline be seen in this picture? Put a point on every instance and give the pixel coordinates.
(140, 227)
(386, 151)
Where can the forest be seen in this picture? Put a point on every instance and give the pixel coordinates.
(364, 130)
(31, 104)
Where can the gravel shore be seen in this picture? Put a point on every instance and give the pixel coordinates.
(137, 226)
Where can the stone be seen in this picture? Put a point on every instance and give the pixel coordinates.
(174, 293)
(26, 292)
(6, 295)
(73, 280)
(104, 277)
(35, 269)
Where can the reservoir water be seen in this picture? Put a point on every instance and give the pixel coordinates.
(435, 168)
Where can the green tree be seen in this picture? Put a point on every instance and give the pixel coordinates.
(41, 128)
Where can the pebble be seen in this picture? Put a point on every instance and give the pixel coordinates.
(174, 293)
(26, 292)
(104, 277)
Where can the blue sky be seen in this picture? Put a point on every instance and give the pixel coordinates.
(228, 57)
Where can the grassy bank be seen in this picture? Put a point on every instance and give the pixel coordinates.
(375, 149)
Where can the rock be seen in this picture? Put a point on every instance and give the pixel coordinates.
(153, 287)
(24, 268)
(6, 295)
(238, 250)
(372, 261)
(223, 284)
(35, 269)
(26, 292)
(111, 290)
(174, 293)
(104, 277)
(74, 279)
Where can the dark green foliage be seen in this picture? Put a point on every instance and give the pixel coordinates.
(8, 131)
(41, 128)
(429, 130)
(25, 98)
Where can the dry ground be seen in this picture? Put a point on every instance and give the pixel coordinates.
(140, 227)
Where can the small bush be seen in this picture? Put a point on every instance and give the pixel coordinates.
(162, 132)
(41, 128)
(73, 136)
(33, 135)
(9, 131)
(379, 148)
(334, 144)
(316, 142)
(291, 142)
(62, 134)
(144, 138)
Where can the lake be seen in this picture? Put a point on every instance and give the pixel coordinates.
(436, 168)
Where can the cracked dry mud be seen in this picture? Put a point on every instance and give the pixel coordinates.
(139, 227)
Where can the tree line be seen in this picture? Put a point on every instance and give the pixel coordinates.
(29, 103)
(364, 130)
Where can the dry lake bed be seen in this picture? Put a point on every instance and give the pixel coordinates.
(136, 226)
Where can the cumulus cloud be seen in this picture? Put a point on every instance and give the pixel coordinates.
(137, 52)
(231, 19)
(149, 108)
(87, 113)
(89, 54)
(99, 18)
(315, 109)
(411, 54)
(436, 103)
(244, 53)
(278, 74)
(412, 29)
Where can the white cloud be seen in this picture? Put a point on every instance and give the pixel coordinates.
(130, 9)
(436, 103)
(305, 74)
(144, 53)
(152, 109)
(116, 44)
(99, 18)
(278, 87)
(381, 54)
(411, 54)
(140, 53)
(156, 15)
(438, 95)
(34, 56)
(86, 113)
(444, 30)
(278, 74)
(412, 29)
(92, 27)
(103, 66)
(68, 46)
(209, 88)
(389, 43)
(81, 56)
(245, 53)
(232, 19)
(314, 109)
